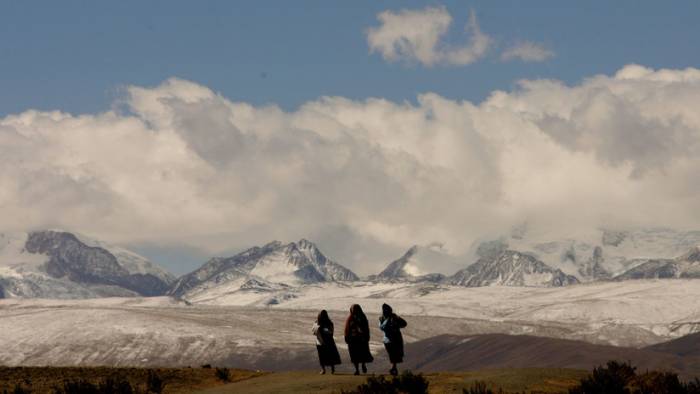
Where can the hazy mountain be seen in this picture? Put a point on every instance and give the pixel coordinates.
(598, 254)
(685, 266)
(266, 268)
(510, 268)
(59, 264)
(411, 267)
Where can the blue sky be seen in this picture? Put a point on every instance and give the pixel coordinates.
(74, 56)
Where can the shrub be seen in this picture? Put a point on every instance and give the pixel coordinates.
(655, 382)
(693, 387)
(76, 387)
(406, 383)
(478, 387)
(19, 390)
(154, 383)
(223, 374)
(621, 378)
(107, 386)
(611, 379)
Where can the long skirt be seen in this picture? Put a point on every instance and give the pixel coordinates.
(328, 354)
(359, 351)
(395, 350)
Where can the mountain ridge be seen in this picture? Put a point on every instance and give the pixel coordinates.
(271, 265)
(58, 264)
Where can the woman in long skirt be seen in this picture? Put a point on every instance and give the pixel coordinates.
(357, 338)
(391, 324)
(328, 355)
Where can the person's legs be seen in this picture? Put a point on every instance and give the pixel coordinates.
(394, 371)
(323, 370)
(357, 368)
(364, 368)
(333, 369)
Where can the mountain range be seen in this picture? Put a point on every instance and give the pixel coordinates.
(60, 264)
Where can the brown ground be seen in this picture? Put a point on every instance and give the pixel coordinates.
(204, 380)
(527, 380)
(177, 380)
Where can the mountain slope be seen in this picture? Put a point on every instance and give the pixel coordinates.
(686, 266)
(599, 254)
(510, 268)
(688, 345)
(459, 353)
(266, 268)
(57, 264)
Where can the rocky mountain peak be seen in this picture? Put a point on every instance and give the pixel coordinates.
(408, 268)
(511, 268)
(693, 255)
(292, 264)
(57, 263)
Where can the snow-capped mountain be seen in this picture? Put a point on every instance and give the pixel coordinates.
(266, 268)
(685, 266)
(410, 267)
(599, 254)
(59, 264)
(510, 268)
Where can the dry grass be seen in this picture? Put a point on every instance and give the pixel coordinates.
(177, 380)
(522, 380)
(190, 380)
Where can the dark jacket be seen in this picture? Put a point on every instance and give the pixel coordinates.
(393, 340)
(357, 338)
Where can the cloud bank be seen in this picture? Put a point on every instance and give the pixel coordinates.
(181, 164)
(419, 36)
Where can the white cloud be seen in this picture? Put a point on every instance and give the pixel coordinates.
(527, 51)
(419, 35)
(186, 166)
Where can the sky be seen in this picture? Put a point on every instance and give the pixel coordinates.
(186, 130)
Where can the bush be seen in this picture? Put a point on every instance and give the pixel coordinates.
(223, 374)
(406, 383)
(107, 386)
(76, 387)
(478, 387)
(18, 390)
(116, 386)
(611, 379)
(658, 382)
(154, 383)
(621, 378)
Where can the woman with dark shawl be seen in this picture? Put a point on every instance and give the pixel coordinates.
(391, 324)
(357, 338)
(325, 344)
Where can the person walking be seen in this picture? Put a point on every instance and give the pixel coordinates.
(357, 338)
(391, 324)
(325, 344)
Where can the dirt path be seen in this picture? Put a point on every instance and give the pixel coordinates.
(511, 380)
(291, 382)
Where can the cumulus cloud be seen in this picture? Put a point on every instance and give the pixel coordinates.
(419, 36)
(181, 164)
(527, 51)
